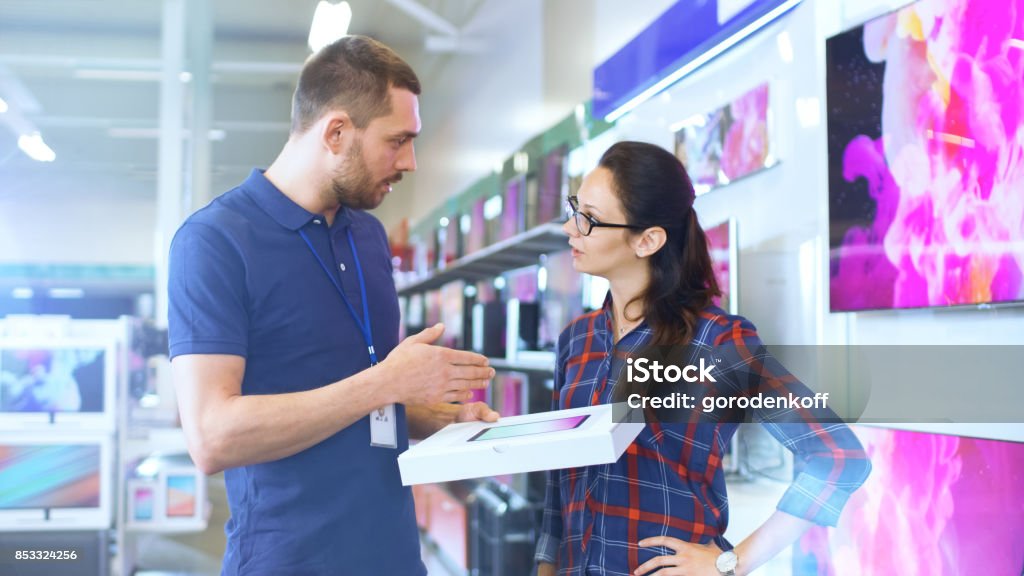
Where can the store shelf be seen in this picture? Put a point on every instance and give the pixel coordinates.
(516, 252)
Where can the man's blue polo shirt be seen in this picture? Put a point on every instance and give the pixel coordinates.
(243, 282)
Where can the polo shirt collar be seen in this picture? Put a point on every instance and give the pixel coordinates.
(282, 208)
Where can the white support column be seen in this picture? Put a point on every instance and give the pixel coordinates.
(200, 53)
(171, 153)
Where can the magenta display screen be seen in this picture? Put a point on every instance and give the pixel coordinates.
(512, 208)
(926, 157)
(721, 261)
(934, 504)
(553, 186)
(529, 428)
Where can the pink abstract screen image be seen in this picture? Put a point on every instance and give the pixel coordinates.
(720, 245)
(728, 143)
(181, 496)
(530, 428)
(934, 505)
(926, 157)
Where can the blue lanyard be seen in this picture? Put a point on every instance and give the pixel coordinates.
(364, 326)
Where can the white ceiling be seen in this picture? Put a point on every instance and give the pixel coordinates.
(60, 61)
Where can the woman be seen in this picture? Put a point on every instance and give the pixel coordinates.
(662, 506)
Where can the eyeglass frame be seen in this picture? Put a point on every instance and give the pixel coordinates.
(574, 205)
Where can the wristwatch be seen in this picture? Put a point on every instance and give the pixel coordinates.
(726, 563)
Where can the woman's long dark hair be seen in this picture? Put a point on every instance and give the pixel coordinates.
(655, 190)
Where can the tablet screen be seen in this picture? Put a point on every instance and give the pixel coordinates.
(529, 428)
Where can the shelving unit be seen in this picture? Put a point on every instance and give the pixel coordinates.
(521, 250)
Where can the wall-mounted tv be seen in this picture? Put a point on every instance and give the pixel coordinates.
(926, 157)
(728, 143)
(934, 504)
(57, 382)
(724, 259)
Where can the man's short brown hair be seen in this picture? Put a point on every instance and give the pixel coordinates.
(353, 74)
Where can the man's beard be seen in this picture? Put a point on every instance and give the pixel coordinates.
(353, 185)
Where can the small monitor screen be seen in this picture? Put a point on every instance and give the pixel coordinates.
(144, 504)
(181, 496)
(49, 476)
(530, 428)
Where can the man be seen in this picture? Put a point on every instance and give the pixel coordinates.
(281, 304)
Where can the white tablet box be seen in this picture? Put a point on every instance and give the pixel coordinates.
(542, 441)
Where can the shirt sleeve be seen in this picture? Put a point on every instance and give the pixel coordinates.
(551, 525)
(207, 296)
(830, 458)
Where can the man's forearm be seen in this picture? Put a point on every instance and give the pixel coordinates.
(425, 420)
(244, 430)
(779, 531)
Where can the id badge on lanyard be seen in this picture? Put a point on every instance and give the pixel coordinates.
(383, 422)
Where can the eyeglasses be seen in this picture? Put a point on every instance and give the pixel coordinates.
(586, 223)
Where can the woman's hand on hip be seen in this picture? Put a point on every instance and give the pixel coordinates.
(689, 559)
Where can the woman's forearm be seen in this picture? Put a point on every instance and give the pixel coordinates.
(779, 531)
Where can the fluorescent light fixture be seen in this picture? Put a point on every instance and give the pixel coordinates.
(124, 75)
(3, 106)
(1016, 43)
(465, 223)
(22, 293)
(699, 61)
(542, 279)
(215, 134)
(330, 23)
(66, 293)
(785, 44)
(33, 145)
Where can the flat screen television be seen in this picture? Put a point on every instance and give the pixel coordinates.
(934, 504)
(731, 142)
(64, 382)
(493, 222)
(724, 260)
(561, 298)
(432, 308)
(181, 495)
(54, 482)
(925, 156)
(474, 230)
(452, 296)
(523, 315)
(554, 186)
(513, 207)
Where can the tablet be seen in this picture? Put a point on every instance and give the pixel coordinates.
(529, 428)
